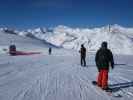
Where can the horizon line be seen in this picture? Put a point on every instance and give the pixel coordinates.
(51, 27)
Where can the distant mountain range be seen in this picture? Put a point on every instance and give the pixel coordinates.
(120, 39)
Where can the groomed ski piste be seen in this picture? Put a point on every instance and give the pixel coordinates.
(58, 76)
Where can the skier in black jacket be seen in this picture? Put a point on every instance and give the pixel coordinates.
(83, 55)
(103, 59)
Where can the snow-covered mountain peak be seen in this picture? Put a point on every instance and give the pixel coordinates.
(37, 30)
(120, 39)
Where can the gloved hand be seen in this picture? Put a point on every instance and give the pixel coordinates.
(112, 67)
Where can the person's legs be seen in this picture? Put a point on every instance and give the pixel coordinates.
(105, 79)
(99, 79)
(84, 62)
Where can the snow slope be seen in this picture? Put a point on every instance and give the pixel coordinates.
(120, 39)
(58, 76)
(117, 37)
(22, 43)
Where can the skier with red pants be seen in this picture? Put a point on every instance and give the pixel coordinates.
(103, 59)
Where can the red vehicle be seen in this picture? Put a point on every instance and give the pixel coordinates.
(12, 50)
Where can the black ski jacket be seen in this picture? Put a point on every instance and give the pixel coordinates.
(83, 52)
(104, 58)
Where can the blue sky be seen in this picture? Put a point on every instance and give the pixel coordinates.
(74, 13)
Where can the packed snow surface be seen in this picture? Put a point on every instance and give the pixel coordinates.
(58, 76)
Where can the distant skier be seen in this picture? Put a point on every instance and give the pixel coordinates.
(104, 59)
(50, 51)
(83, 55)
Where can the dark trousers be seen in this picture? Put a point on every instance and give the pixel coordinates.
(83, 62)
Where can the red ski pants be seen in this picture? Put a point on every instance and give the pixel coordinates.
(103, 78)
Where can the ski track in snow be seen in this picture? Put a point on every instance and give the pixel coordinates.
(57, 77)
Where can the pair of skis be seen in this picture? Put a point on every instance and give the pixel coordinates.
(110, 91)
